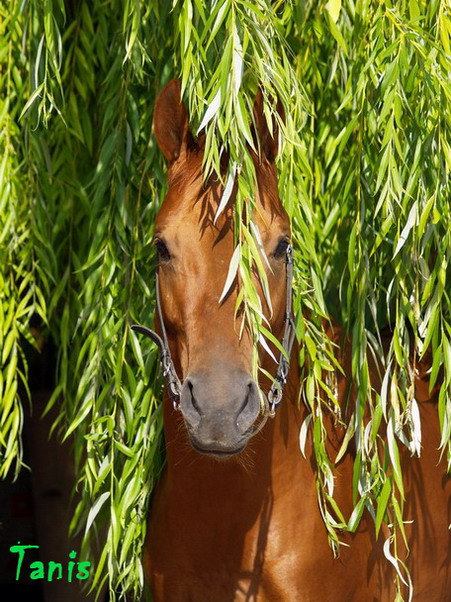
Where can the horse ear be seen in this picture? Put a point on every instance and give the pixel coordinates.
(268, 142)
(170, 121)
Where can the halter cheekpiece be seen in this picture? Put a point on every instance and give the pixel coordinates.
(274, 397)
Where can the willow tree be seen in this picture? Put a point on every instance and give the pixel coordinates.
(364, 176)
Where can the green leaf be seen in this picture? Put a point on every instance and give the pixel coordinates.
(96, 507)
(356, 515)
(334, 7)
(231, 274)
(382, 502)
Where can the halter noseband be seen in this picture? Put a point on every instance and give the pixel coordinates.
(174, 385)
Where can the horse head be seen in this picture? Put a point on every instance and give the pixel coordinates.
(219, 399)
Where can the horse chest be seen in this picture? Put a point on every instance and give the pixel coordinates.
(226, 540)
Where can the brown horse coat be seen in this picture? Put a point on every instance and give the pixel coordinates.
(249, 527)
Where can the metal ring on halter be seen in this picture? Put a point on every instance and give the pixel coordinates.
(274, 397)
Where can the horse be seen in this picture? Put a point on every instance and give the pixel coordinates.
(234, 515)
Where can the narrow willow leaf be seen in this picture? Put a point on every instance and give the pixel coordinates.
(32, 100)
(211, 111)
(303, 433)
(256, 232)
(346, 439)
(266, 347)
(231, 275)
(416, 430)
(384, 389)
(382, 502)
(227, 192)
(389, 556)
(356, 515)
(268, 335)
(97, 506)
(334, 7)
(407, 228)
(394, 456)
(336, 33)
(237, 62)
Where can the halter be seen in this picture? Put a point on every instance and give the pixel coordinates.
(275, 393)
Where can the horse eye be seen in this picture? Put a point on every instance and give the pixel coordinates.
(281, 249)
(162, 250)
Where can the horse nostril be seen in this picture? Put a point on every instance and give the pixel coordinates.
(249, 409)
(193, 399)
(246, 399)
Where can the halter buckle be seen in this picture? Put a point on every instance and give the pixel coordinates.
(275, 396)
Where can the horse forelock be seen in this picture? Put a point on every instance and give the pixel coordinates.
(196, 200)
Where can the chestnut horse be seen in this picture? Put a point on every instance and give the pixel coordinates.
(235, 516)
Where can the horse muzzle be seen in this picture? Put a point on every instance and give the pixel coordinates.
(219, 411)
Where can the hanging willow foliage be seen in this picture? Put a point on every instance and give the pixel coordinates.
(364, 176)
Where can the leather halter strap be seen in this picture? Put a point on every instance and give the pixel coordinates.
(276, 391)
(172, 380)
(174, 386)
